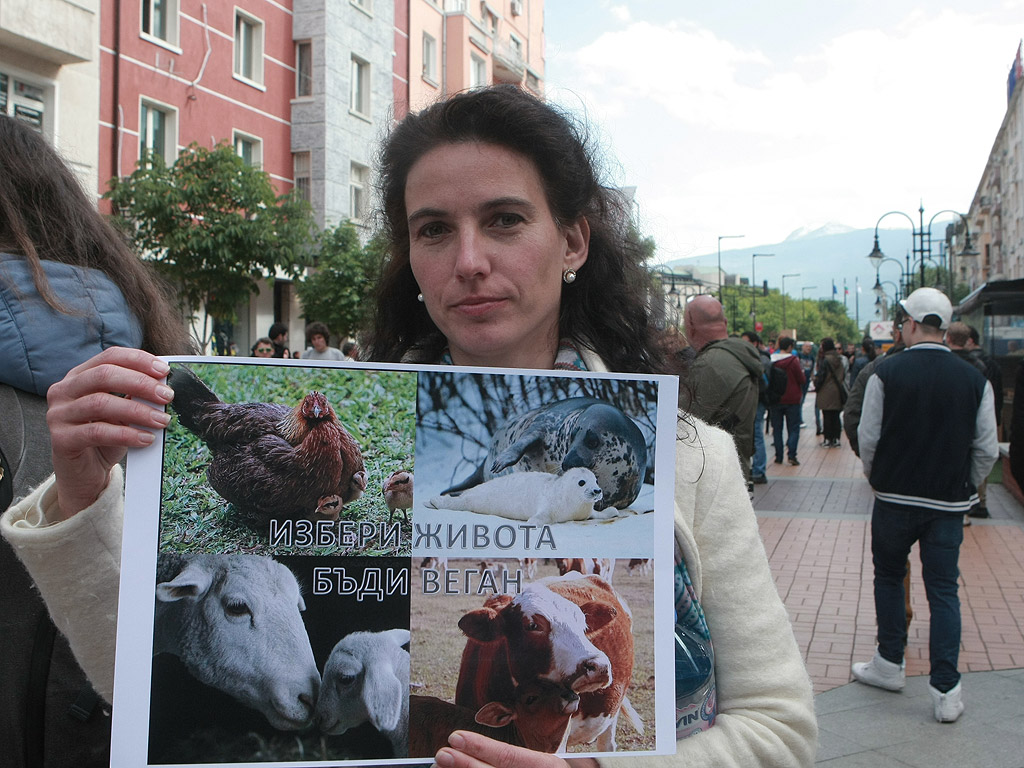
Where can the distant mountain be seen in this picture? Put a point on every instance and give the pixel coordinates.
(821, 254)
(823, 230)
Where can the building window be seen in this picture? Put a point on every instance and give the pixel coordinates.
(249, 148)
(360, 96)
(515, 46)
(157, 132)
(488, 17)
(248, 47)
(363, 5)
(304, 68)
(160, 20)
(477, 71)
(303, 174)
(23, 101)
(532, 82)
(429, 57)
(357, 191)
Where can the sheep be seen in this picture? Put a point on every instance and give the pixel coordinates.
(537, 718)
(234, 622)
(366, 679)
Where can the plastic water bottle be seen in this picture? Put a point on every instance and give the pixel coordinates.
(695, 683)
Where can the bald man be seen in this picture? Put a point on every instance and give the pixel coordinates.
(723, 381)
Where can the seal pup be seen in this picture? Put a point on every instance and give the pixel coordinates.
(537, 497)
(576, 432)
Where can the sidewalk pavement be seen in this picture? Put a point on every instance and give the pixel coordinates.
(815, 522)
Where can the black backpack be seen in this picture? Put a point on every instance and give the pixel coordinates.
(775, 382)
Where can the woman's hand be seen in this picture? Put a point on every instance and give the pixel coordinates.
(473, 750)
(94, 417)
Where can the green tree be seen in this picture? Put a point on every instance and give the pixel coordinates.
(812, 319)
(213, 226)
(337, 292)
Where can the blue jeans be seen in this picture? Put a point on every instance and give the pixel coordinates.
(792, 415)
(760, 461)
(894, 529)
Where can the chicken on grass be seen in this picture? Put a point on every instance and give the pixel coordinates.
(269, 460)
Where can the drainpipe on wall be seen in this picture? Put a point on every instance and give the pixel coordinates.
(444, 53)
(116, 121)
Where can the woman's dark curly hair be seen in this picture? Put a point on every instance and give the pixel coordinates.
(605, 309)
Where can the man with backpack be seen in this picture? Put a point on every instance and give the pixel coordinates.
(785, 391)
(721, 387)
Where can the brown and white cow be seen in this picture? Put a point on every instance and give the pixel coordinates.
(572, 630)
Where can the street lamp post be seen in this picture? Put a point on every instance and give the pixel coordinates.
(881, 301)
(719, 280)
(753, 281)
(791, 274)
(803, 298)
(922, 241)
(878, 260)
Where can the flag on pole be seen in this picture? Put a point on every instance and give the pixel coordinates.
(834, 291)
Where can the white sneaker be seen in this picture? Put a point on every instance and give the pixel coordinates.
(949, 705)
(881, 673)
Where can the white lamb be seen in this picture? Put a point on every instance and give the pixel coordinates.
(366, 679)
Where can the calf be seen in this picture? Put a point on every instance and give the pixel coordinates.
(572, 630)
(537, 718)
(529, 566)
(586, 565)
(642, 565)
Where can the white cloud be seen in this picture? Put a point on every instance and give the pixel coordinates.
(719, 137)
(621, 13)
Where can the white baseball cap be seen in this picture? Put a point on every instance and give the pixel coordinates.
(929, 306)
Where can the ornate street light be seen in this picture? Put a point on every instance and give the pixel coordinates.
(922, 240)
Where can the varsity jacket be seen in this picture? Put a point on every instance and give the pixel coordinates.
(928, 430)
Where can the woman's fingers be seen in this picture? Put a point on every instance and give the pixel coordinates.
(96, 412)
(473, 750)
(129, 372)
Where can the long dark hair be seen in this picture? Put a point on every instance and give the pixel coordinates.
(605, 309)
(46, 215)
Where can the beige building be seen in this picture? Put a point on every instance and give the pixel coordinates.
(49, 75)
(997, 211)
(458, 44)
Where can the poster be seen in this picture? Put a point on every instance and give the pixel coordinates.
(337, 563)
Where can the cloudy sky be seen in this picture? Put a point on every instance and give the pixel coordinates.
(761, 118)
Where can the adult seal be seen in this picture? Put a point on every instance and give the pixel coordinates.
(576, 432)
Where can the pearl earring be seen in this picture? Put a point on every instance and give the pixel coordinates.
(569, 276)
(419, 297)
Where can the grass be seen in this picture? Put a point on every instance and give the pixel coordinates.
(377, 407)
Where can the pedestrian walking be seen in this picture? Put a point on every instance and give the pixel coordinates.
(927, 439)
(830, 391)
(759, 462)
(722, 385)
(788, 407)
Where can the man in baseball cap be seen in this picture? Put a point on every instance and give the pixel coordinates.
(927, 440)
(929, 306)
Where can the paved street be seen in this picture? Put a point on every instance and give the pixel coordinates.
(815, 521)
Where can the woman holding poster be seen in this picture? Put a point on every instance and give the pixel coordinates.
(506, 251)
